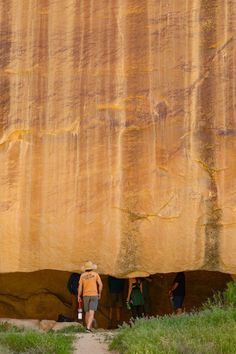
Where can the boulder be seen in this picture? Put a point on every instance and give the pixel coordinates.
(63, 325)
(22, 323)
(46, 325)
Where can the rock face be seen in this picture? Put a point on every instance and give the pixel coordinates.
(117, 135)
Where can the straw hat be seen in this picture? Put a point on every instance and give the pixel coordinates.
(89, 265)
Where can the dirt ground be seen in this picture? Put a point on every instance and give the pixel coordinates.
(93, 343)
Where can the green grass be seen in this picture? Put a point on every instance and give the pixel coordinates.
(15, 341)
(72, 329)
(230, 294)
(209, 331)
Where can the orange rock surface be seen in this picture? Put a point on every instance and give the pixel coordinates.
(117, 135)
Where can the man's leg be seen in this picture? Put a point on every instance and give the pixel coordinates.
(86, 308)
(178, 300)
(93, 304)
(86, 318)
(179, 311)
(90, 319)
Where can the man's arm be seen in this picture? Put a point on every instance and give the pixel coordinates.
(174, 286)
(100, 286)
(141, 287)
(80, 288)
(130, 289)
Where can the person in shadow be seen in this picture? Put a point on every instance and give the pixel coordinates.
(135, 297)
(72, 286)
(177, 293)
(115, 300)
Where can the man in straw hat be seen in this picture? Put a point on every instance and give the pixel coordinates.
(90, 286)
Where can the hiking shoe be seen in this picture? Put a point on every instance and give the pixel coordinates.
(88, 330)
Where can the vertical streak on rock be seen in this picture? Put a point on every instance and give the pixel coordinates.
(109, 88)
(193, 95)
(39, 119)
(5, 50)
(88, 134)
(5, 101)
(152, 13)
(16, 151)
(25, 107)
(71, 112)
(226, 123)
(223, 93)
(195, 73)
(205, 132)
(40, 52)
(233, 30)
(79, 35)
(67, 112)
(108, 84)
(120, 92)
(136, 65)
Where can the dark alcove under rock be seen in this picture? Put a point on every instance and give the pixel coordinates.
(44, 294)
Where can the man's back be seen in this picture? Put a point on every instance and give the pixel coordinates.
(89, 281)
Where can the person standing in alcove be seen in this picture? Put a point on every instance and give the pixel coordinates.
(177, 293)
(90, 287)
(115, 301)
(135, 297)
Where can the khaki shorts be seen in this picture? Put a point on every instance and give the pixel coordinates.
(115, 300)
(90, 303)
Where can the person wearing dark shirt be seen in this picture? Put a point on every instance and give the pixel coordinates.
(177, 292)
(116, 287)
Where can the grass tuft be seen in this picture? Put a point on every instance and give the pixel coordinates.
(32, 342)
(72, 329)
(211, 330)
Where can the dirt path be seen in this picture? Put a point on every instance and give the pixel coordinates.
(92, 343)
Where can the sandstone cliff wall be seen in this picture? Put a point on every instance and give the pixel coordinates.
(117, 135)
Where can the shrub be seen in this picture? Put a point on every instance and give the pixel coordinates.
(222, 299)
(230, 294)
(210, 330)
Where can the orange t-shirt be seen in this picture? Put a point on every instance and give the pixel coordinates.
(88, 280)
